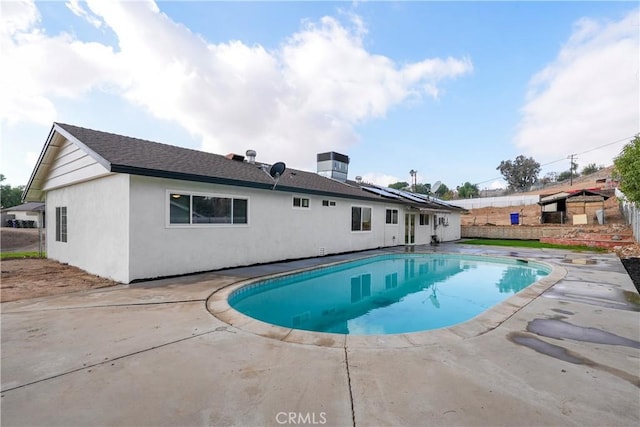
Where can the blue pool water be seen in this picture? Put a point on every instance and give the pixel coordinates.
(387, 294)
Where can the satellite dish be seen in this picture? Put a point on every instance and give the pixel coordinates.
(436, 186)
(277, 170)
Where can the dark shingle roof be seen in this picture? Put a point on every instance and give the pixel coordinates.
(140, 157)
(26, 207)
(123, 154)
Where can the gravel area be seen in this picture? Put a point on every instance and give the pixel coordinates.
(633, 268)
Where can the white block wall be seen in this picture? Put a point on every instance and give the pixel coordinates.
(97, 226)
(276, 230)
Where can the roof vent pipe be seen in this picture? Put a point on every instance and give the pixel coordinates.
(251, 156)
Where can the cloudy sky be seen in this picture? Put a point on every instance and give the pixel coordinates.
(449, 89)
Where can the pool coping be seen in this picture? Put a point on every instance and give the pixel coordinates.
(217, 304)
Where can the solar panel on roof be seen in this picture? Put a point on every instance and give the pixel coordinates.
(389, 190)
(380, 192)
(409, 196)
(424, 197)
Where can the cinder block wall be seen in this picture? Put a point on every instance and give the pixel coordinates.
(515, 232)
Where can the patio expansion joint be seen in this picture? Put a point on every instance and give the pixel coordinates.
(85, 307)
(346, 362)
(107, 361)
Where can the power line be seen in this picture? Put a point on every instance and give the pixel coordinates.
(606, 145)
(590, 150)
(569, 156)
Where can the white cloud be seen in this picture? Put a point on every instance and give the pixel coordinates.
(38, 67)
(588, 97)
(18, 16)
(381, 179)
(305, 97)
(76, 7)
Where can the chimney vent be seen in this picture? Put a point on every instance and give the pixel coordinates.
(333, 165)
(251, 156)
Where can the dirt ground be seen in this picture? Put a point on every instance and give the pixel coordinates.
(35, 277)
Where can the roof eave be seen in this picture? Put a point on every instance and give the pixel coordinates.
(157, 173)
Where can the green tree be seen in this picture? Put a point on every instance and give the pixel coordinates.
(590, 168)
(563, 176)
(423, 188)
(468, 190)
(400, 185)
(10, 196)
(520, 174)
(443, 192)
(627, 167)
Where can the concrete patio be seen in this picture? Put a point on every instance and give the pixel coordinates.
(152, 354)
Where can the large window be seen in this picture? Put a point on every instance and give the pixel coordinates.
(392, 216)
(61, 224)
(360, 218)
(201, 209)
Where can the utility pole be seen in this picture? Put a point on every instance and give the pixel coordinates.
(413, 174)
(571, 169)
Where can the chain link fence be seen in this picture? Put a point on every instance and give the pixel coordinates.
(631, 214)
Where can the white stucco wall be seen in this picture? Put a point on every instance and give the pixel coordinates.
(450, 232)
(445, 233)
(276, 230)
(97, 226)
(118, 227)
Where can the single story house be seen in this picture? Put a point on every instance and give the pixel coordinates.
(577, 206)
(26, 215)
(132, 209)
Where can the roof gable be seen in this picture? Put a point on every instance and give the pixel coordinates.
(63, 159)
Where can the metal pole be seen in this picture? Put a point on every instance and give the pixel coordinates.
(40, 216)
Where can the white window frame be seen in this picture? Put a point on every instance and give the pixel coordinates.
(302, 199)
(62, 226)
(329, 203)
(397, 211)
(351, 219)
(189, 193)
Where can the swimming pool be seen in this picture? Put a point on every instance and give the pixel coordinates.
(387, 294)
